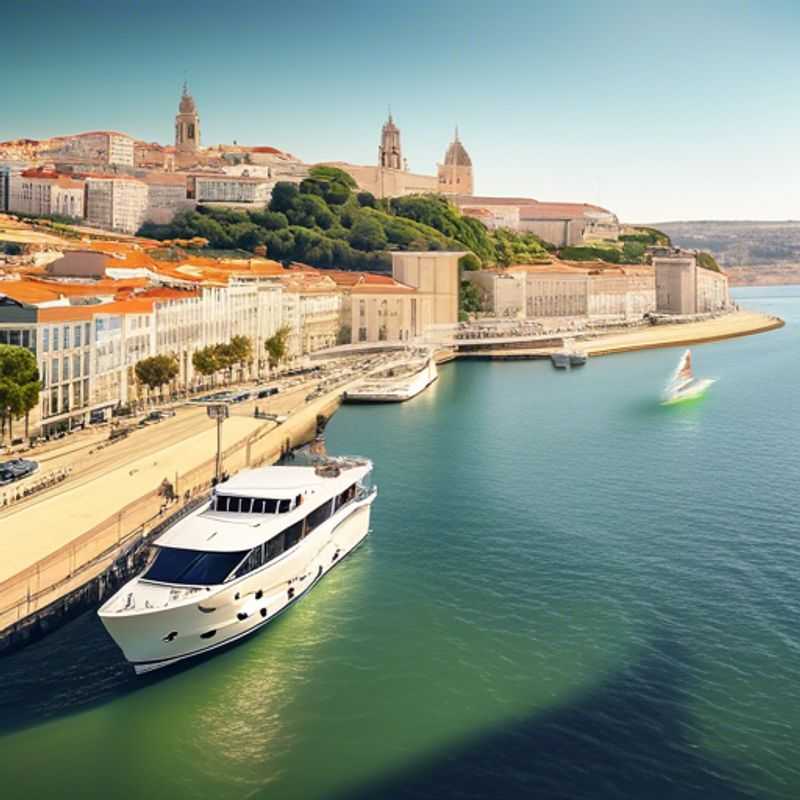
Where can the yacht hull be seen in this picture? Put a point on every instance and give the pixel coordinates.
(214, 617)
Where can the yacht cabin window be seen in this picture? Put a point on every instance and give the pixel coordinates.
(251, 505)
(192, 567)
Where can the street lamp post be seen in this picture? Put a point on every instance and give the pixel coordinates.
(219, 412)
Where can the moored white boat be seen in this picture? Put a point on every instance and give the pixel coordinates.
(262, 541)
(396, 385)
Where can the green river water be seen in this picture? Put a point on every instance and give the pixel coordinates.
(569, 591)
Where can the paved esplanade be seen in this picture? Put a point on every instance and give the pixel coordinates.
(40, 528)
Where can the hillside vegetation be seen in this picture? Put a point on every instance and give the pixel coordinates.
(327, 222)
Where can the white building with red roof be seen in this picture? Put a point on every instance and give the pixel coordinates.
(41, 192)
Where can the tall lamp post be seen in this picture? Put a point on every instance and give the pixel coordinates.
(219, 412)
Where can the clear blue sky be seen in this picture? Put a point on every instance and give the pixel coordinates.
(658, 110)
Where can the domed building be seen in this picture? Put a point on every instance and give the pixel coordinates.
(455, 174)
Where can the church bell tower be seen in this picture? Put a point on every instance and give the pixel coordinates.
(187, 131)
(389, 153)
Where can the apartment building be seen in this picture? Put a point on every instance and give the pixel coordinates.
(219, 188)
(117, 203)
(99, 148)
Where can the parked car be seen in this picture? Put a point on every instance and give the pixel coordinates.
(16, 469)
(268, 391)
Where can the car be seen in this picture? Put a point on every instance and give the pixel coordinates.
(267, 392)
(16, 469)
(157, 416)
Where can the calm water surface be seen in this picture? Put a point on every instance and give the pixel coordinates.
(570, 592)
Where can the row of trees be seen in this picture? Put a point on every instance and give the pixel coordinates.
(19, 386)
(156, 372)
(223, 357)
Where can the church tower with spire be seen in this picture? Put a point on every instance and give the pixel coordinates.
(389, 153)
(455, 175)
(187, 131)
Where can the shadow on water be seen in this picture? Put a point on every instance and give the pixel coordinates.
(75, 669)
(627, 739)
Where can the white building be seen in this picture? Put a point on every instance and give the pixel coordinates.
(232, 189)
(96, 147)
(167, 195)
(116, 203)
(42, 193)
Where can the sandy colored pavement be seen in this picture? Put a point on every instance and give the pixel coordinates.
(740, 323)
(35, 531)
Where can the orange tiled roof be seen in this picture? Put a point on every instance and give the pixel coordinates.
(67, 313)
(133, 305)
(167, 293)
(28, 291)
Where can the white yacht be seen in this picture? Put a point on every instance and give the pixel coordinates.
(264, 538)
(396, 384)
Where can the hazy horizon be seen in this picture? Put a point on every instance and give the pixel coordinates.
(660, 113)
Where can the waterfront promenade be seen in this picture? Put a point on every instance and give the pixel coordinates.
(739, 323)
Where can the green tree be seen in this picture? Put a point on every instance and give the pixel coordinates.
(469, 262)
(156, 371)
(241, 351)
(277, 347)
(19, 385)
(284, 195)
(226, 358)
(469, 298)
(205, 361)
(333, 174)
(367, 234)
(707, 261)
(269, 220)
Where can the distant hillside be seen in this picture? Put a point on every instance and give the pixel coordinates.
(740, 243)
